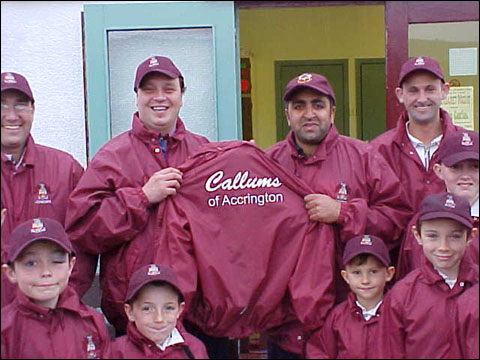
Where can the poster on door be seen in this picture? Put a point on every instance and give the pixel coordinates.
(459, 104)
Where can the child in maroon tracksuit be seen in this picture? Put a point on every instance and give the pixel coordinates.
(351, 329)
(417, 312)
(46, 320)
(153, 305)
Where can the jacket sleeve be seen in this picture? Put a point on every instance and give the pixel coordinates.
(385, 213)
(323, 342)
(391, 329)
(312, 284)
(107, 208)
(86, 264)
(176, 247)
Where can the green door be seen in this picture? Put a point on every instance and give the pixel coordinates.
(336, 71)
(371, 98)
(103, 21)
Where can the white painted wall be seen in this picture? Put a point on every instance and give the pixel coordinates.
(42, 40)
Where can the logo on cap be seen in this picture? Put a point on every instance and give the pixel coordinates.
(342, 194)
(37, 226)
(366, 240)
(153, 270)
(419, 62)
(467, 140)
(153, 62)
(9, 79)
(304, 78)
(450, 202)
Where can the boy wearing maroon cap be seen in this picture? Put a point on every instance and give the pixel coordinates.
(351, 329)
(354, 188)
(153, 305)
(47, 319)
(457, 167)
(36, 180)
(410, 148)
(417, 311)
(116, 209)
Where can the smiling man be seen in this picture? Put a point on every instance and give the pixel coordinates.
(410, 148)
(36, 180)
(117, 209)
(354, 189)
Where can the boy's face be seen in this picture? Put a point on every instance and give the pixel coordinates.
(368, 280)
(155, 312)
(461, 179)
(41, 271)
(443, 242)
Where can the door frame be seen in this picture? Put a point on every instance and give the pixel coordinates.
(99, 19)
(359, 87)
(398, 15)
(279, 104)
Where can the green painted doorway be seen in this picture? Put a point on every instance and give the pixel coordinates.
(335, 70)
(371, 98)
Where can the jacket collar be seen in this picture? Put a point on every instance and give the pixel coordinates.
(28, 155)
(146, 135)
(401, 136)
(467, 275)
(68, 300)
(141, 341)
(322, 151)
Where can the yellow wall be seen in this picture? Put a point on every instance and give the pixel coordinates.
(326, 32)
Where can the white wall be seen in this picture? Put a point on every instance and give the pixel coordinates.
(43, 41)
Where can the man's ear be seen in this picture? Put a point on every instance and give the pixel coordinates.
(9, 273)
(399, 94)
(445, 90)
(287, 117)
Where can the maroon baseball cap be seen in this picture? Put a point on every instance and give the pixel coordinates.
(14, 81)
(458, 146)
(446, 205)
(309, 81)
(366, 244)
(34, 230)
(159, 64)
(420, 63)
(150, 273)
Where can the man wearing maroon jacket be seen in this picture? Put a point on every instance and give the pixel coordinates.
(36, 180)
(354, 188)
(410, 148)
(115, 208)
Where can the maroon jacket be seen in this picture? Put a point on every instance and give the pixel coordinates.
(238, 236)
(396, 148)
(40, 188)
(109, 214)
(346, 334)
(71, 331)
(136, 346)
(411, 253)
(374, 202)
(417, 314)
(466, 324)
